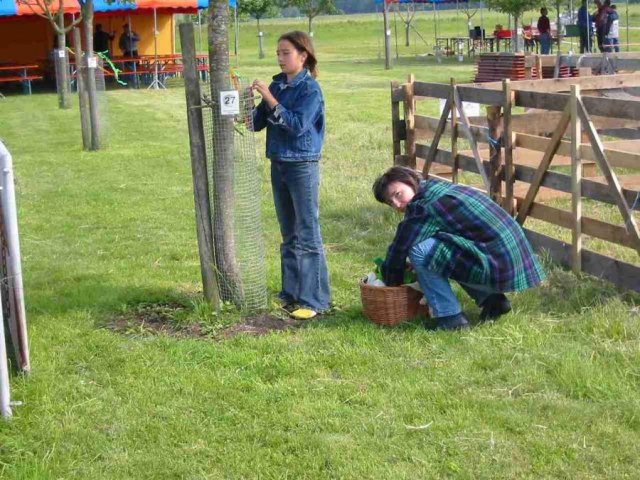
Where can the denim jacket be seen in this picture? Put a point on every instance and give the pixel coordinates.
(295, 127)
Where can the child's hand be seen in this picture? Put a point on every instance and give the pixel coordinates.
(263, 89)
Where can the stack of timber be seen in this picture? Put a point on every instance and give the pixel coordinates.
(564, 71)
(493, 67)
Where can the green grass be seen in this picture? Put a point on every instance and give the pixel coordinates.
(550, 391)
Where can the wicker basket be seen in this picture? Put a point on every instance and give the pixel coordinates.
(390, 305)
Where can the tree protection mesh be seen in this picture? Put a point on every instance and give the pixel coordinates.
(234, 191)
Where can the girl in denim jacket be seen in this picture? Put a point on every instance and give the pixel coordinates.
(292, 111)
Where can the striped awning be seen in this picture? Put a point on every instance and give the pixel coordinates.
(31, 7)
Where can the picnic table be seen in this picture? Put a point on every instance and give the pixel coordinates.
(454, 45)
(19, 73)
(142, 69)
(144, 66)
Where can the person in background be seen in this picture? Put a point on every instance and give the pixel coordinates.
(292, 111)
(612, 31)
(128, 42)
(452, 231)
(101, 40)
(544, 29)
(584, 25)
(600, 17)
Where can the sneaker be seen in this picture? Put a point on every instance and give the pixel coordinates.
(289, 307)
(494, 306)
(303, 313)
(451, 322)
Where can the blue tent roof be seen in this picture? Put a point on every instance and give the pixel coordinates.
(7, 7)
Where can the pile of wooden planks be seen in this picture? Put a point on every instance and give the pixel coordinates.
(492, 67)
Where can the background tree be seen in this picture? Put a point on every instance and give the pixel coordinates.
(469, 12)
(258, 9)
(53, 10)
(516, 9)
(89, 64)
(406, 11)
(312, 8)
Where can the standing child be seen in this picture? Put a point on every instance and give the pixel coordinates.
(612, 31)
(544, 29)
(292, 111)
(452, 231)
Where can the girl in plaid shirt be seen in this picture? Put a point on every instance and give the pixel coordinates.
(452, 231)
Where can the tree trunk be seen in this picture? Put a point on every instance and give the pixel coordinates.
(407, 28)
(387, 39)
(83, 101)
(90, 63)
(310, 26)
(260, 45)
(515, 35)
(62, 64)
(223, 161)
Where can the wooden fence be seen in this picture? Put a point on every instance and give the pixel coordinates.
(563, 124)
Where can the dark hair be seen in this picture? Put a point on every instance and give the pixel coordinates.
(405, 175)
(302, 42)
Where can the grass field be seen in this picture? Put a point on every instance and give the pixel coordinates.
(549, 391)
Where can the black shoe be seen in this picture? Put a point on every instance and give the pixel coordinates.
(451, 322)
(494, 306)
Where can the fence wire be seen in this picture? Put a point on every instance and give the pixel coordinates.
(244, 283)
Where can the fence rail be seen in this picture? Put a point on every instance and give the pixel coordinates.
(513, 154)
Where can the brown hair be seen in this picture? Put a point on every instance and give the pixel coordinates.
(405, 175)
(302, 42)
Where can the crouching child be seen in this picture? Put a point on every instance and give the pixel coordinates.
(453, 231)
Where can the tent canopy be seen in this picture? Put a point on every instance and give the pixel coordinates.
(31, 7)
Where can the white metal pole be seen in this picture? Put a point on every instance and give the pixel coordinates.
(156, 84)
(14, 262)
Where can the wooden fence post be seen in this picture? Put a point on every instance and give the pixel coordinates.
(576, 182)
(454, 138)
(495, 152)
(199, 172)
(539, 67)
(508, 141)
(410, 122)
(395, 120)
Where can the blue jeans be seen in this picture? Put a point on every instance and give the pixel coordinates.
(305, 279)
(436, 287)
(545, 43)
(611, 45)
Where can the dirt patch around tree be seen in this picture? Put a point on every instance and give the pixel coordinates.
(260, 325)
(172, 319)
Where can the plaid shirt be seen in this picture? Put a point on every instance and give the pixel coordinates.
(477, 241)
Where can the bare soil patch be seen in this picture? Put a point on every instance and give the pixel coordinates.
(169, 319)
(260, 325)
